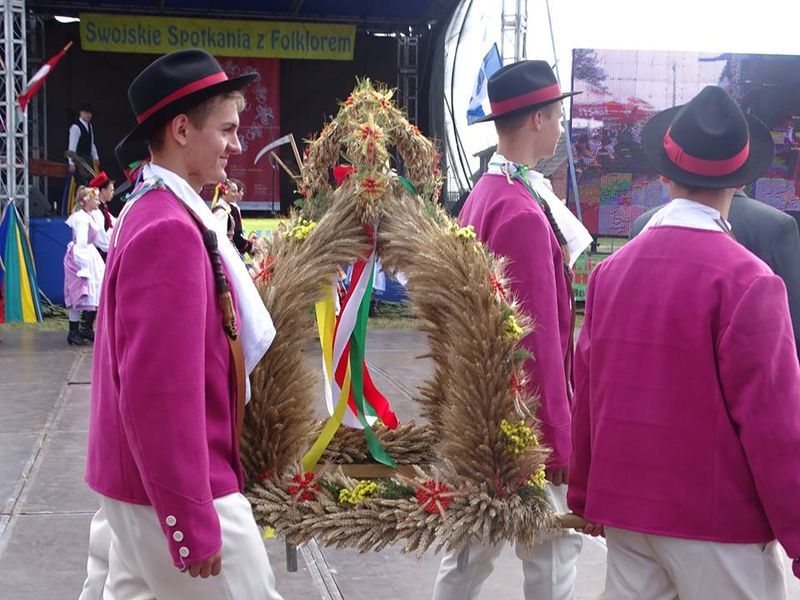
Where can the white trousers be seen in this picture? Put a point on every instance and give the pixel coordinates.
(97, 565)
(140, 565)
(653, 567)
(549, 569)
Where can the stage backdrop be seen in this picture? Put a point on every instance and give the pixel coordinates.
(259, 125)
(622, 89)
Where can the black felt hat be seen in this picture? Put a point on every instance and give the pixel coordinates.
(129, 152)
(173, 84)
(522, 86)
(708, 142)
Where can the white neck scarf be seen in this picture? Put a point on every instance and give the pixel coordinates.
(682, 212)
(577, 236)
(255, 324)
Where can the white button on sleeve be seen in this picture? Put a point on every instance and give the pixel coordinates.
(178, 536)
(171, 520)
(183, 551)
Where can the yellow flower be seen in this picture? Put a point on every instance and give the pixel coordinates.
(520, 437)
(301, 229)
(538, 478)
(466, 233)
(363, 490)
(512, 329)
(463, 233)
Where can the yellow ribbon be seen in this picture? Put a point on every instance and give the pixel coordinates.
(26, 295)
(326, 324)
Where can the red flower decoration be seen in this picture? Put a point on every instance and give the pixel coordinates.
(498, 288)
(223, 189)
(434, 496)
(304, 487)
(264, 475)
(349, 101)
(371, 185)
(415, 130)
(369, 132)
(517, 386)
(265, 270)
(342, 172)
(384, 104)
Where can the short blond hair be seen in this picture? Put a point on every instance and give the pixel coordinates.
(82, 193)
(198, 115)
(510, 123)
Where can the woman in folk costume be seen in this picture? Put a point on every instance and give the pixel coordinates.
(686, 423)
(224, 193)
(83, 267)
(243, 244)
(226, 208)
(106, 188)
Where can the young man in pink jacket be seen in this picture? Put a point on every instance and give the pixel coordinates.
(169, 379)
(686, 425)
(515, 213)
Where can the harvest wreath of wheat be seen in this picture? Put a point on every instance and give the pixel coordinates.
(476, 469)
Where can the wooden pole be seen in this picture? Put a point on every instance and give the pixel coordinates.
(570, 521)
(296, 152)
(283, 166)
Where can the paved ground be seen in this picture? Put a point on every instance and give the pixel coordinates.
(45, 507)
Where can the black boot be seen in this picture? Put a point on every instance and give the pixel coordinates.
(87, 324)
(75, 338)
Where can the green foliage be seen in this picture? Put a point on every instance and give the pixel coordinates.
(331, 487)
(392, 489)
(530, 493)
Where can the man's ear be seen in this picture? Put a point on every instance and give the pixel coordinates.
(538, 119)
(178, 128)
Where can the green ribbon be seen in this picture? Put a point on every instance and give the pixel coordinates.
(408, 185)
(520, 174)
(357, 351)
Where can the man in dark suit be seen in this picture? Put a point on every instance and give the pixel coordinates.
(768, 233)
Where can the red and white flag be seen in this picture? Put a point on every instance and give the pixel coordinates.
(38, 78)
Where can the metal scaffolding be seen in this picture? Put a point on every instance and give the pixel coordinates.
(13, 124)
(37, 108)
(407, 74)
(514, 23)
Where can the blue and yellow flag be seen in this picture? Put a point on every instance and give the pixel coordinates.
(18, 274)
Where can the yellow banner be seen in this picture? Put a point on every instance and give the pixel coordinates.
(220, 37)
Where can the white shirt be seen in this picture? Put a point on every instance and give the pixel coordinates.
(255, 324)
(577, 236)
(682, 212)
(74, 136)
(222, 212)
(103, 237)
(83, 251)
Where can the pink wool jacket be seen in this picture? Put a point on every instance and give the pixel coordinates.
(512, 224)
(162, 423)
(687, 402)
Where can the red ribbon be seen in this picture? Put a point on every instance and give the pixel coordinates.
(372, 395)
(702, 166)
(539, 96)
(342, 172)
(180, 93)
